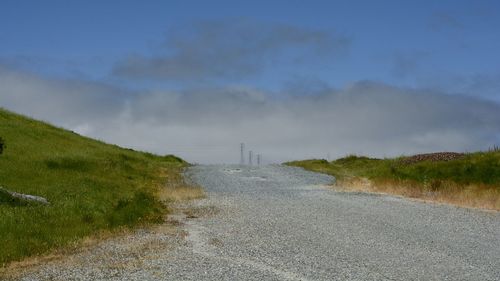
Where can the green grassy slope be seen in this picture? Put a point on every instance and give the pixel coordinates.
(474, 168)
(472, 180)
(91, 186)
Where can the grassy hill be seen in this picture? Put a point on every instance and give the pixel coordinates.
(471, 179)
(91, 187)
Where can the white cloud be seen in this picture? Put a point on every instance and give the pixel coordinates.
(207, 125)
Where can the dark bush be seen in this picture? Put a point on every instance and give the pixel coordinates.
(2, 145)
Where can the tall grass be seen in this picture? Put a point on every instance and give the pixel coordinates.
(91, 187)
(473, 180)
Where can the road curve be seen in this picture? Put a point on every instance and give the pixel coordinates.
(282, 223)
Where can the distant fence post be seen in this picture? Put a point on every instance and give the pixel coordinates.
(242, 154)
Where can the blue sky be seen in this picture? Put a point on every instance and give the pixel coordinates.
(267, 49)
(410, 43)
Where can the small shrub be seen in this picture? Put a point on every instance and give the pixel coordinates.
(2, 145)
(435, 184)
(393, 170)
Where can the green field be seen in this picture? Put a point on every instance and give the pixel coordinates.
(472, 180)
(91, 187)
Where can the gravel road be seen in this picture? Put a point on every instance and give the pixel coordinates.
(282, 223)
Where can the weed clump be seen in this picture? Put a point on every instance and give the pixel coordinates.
(2, 145)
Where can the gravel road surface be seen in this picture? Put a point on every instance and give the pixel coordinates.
(282, 223)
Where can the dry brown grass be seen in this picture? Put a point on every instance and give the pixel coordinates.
(198, 212)
(182, 193)
(473, 196)
(176, 189)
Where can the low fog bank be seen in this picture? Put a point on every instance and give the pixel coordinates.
(206, 125)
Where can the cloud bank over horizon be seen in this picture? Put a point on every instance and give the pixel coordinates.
(206, 125)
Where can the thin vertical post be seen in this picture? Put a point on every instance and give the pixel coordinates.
(242, 154)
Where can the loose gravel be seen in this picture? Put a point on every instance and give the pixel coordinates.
(283, 223)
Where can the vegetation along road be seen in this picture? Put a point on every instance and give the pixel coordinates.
(283, 223)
